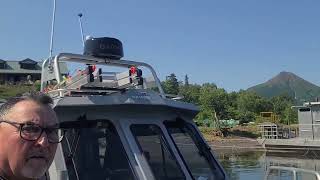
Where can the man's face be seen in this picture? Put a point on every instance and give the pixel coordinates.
(29, 159)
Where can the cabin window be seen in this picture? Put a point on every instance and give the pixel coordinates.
(158, 154)
(28, 66)
(94, 151)
(195, 152)
(304, 109)
(2, 65)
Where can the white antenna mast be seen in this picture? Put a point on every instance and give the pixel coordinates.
(81, 29)
(52, 27)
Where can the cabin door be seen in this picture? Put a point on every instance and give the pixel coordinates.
(316, 121)
(305, 123)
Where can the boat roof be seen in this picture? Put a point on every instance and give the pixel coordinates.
(135, 101)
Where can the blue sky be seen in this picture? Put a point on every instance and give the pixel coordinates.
(235, 44)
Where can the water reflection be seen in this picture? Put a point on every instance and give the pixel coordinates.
(252, 165)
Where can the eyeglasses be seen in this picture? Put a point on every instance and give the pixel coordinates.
(32, 132)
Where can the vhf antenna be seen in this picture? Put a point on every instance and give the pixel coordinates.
(81, 29)
(52, 28)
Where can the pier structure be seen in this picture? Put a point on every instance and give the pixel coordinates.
(308, 136)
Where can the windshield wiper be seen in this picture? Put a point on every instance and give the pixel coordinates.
(163, 148)
(204, 148)
(72, 150)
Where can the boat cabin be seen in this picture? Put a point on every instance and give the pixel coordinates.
(116, 127)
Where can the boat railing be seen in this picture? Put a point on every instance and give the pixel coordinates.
(52, 67)
(293, 170)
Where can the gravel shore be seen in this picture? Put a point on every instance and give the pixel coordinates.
(235, 143)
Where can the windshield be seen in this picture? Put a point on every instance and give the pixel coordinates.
(155, 149)
(94, 152)
(195, 152)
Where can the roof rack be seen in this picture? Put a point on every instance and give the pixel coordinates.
(92, 80)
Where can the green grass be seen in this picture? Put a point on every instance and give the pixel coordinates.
(7, 91)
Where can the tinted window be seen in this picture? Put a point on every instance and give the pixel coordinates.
(155, 149)
(98, 155)
(196, 154)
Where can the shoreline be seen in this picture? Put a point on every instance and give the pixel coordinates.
(236, 143)
(239, 145)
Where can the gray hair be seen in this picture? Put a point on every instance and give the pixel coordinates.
(40, 98)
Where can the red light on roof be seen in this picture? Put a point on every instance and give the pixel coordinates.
(94, 67)
(133, 70)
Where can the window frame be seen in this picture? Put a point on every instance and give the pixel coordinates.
(108, 123)
(198, 140)
(166, 143)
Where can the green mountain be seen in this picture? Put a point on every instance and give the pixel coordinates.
(288, 83)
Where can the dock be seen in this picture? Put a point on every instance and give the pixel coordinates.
(293, 144)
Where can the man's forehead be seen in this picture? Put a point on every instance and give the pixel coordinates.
(29, 111)
(29, 105)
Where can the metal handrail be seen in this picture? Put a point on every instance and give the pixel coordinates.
(293, 170)
(100, 61)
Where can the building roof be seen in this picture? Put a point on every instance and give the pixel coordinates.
(13, 67)
(28, 61)
(308, 104)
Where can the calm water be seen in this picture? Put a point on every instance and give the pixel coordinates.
(251, 165)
